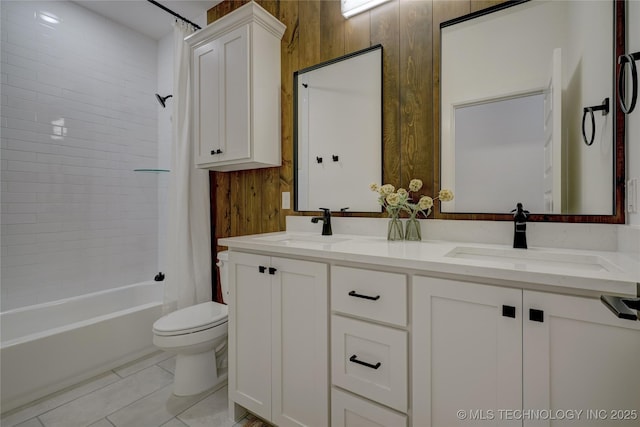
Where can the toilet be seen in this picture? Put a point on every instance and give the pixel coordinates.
(198, 337)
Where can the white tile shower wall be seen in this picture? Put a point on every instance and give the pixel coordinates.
(78, 116)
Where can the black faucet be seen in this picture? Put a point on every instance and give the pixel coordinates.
(326, 221)
(520, 227)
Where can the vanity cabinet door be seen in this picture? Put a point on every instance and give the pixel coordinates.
(278, 339)
(250, 313)
(578, 356)
(466, 352)
(300, 359)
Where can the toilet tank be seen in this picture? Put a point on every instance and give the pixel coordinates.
(223, 265)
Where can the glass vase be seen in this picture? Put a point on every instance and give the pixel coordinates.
(394, 232)
(412, 230)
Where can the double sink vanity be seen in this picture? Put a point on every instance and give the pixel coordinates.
(354, 330)
(460, 329)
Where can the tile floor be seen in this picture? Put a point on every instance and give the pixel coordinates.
(137, 394)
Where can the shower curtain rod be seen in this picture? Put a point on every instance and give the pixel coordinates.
(166, 9)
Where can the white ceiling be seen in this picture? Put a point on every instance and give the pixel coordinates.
(147, 18)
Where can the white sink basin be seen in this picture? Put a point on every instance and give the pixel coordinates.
(533, 257)
(302, 239)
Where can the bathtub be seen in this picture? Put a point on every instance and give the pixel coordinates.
(47, 347)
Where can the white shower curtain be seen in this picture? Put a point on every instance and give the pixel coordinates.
(188, 278)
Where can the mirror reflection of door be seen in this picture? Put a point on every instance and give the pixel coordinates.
(553, 143)
(506, 138)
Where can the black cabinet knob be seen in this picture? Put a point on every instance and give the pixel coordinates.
(536, 315)
(509, 311)
(262, 268)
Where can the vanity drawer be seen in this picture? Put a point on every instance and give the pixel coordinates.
(370, 360)
(348, 410)
(374, 295)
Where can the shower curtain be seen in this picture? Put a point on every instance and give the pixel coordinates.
(188, 278)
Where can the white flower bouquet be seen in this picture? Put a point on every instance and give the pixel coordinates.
(394, 201)
(402, 200)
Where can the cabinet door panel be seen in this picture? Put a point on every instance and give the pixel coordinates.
(580, 357)
(206, 93)
(250, 333)
(234, 48)
(300, 343)
(466, 355)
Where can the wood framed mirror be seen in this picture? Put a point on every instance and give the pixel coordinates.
(448, 73)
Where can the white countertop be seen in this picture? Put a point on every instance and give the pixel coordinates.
(565, 269)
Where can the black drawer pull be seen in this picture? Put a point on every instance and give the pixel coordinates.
(536, 315)
(354, 359)
(272, 270)
(509, 311)
(357, 295)
(262, 268)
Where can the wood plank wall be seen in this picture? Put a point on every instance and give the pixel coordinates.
(248, 202)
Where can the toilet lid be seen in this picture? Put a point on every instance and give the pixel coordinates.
(192, 319)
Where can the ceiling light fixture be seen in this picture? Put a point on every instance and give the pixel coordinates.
(353, 7)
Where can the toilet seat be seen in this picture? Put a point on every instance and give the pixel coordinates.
(191, 319)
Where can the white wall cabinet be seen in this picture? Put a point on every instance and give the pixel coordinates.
(278, 339)
(236, 91)
(485, 349)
